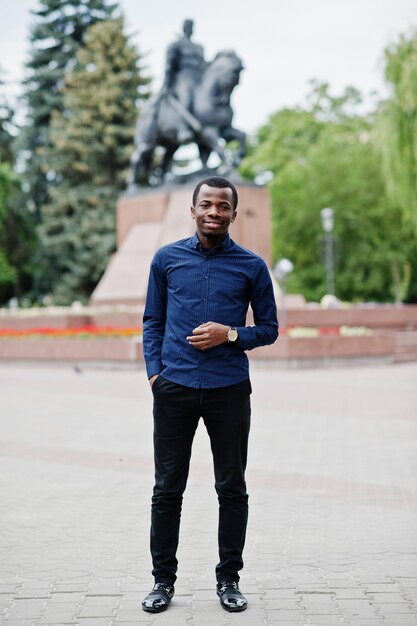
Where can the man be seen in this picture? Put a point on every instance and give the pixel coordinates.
(184, 65)
(194, 339)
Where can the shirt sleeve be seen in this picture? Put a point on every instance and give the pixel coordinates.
(154, 316)
(265, 330)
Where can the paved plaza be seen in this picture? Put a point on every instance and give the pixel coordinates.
(332, 477)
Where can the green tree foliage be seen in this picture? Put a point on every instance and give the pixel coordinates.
(7, 271)
(57, 33)
(6, 124)
(325, 156)
(398, 126)
(15, 232)
(91, 143)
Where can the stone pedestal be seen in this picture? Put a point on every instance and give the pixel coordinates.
(156, 217)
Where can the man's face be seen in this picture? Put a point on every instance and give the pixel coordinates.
(213, 212)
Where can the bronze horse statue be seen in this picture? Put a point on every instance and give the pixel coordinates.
(210, 120)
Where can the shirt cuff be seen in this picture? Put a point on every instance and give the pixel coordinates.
(153, 368)
(245, 339)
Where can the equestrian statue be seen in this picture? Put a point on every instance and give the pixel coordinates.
(193, 106)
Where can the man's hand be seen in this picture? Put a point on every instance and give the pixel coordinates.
(208, 335)
(153, 379)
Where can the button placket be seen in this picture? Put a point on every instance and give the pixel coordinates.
(204, 301)
(206, 284)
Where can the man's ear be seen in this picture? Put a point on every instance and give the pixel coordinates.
(192, 212)
(234, 215)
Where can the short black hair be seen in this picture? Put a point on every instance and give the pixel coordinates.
(220, 183)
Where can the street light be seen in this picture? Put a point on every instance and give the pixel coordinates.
(327, 222)
(282, 270)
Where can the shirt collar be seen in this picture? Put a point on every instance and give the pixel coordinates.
(224, 245)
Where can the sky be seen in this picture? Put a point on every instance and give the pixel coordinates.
(283, 44)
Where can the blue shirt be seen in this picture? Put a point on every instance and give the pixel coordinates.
(189, 286)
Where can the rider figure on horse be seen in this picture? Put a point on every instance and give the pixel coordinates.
(184, 66)
(192, 106)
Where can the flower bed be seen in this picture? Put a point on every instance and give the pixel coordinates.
(125, 344)
(82, 332)
(335, 331)
(90, 331)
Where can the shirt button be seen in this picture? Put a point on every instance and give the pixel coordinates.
(206, 277)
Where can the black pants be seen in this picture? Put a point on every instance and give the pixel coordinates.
(226, 415)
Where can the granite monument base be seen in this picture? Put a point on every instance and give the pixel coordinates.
(152, 218)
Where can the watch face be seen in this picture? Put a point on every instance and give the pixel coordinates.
(232, 334)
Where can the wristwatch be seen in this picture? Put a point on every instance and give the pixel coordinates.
(232, 335)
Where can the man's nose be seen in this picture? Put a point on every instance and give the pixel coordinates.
(214, 210)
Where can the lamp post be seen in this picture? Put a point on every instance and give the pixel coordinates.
(327, 222)
(282, 270)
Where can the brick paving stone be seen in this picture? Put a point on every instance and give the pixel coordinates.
(91, 601)
(145, 622)
(65, 597)
(63, 606)
(98, 587)
(246, 618)
(276, 622)
(26, 591)
(360, 613)
(400, 620)
(25, 609)
(6, 600)
(71, 587)
(325, 620)
(284, 594)
(282, 604)
(205, 594)
(97, 611)
(130, 605)
(315, 598)
(7, 589)
(20, 622)
(136, 616)
(350, 603)
(295, 614)
(176, 618)
(386, 598)
(56, 618)
(382, 588)
(399, 607)
(407, 581)
(95, 621)
(343, 584)
(410, 596)
(366, 622)
(320, 609)
(373, 579)
(352, 594)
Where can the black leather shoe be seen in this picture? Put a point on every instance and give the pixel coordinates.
(230, 597)
(159, 598)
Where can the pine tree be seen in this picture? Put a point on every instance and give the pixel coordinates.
(17, 231)
(8, 180)
(91, 143)
(58, 32)
(7, 272)
(6, 122)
